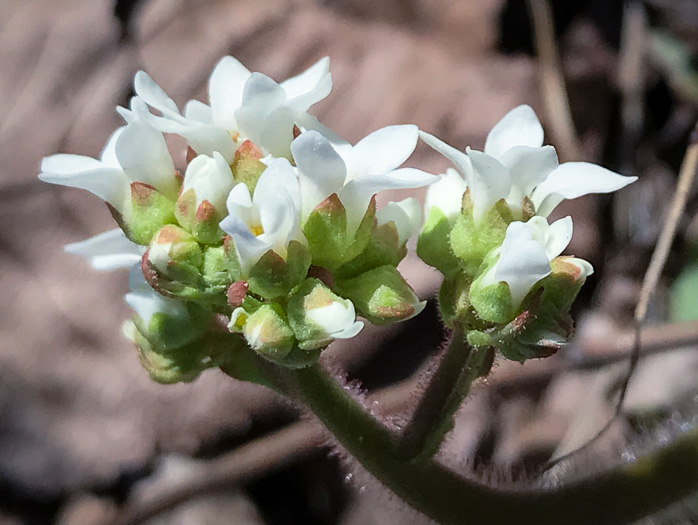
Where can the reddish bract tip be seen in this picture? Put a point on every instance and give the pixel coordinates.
(236, 293)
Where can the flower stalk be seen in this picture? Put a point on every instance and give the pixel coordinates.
(622, 495)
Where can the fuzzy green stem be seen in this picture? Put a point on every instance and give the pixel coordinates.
(433, 418)
(622, 495)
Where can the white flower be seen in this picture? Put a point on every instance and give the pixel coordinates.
(108, 251)
(337, 320)
(515, 164)
(405, 214)
(270, 219)
(355, 173)
(134, 153)
(210, 178)
(526, 253)
(446, 194)
(243, 105)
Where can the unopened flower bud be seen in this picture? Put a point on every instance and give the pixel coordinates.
(394, 225)
(266, 330)
(381, 295)
(318, 316)
(201, 204)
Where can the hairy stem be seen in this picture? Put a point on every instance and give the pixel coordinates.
(622, 495)
(433, 417)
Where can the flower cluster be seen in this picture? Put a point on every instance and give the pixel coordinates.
(269, 239)
(487, 231)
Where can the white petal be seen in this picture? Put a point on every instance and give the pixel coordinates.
(208, 140)
(108, 156)
(522, 262)
(490, 182)
(75, 171)
(210, 178)
(67, 164)
(321, 170)
(279, 175)
(585, 267)
(154, 96)
(308, 80)
(276, 131)
(405, 214)
(311, 86)
(382, 151)
(337, 319)
(136, 280)
(357, 194)
(261, 96)
(307, 122)
(446, 194)
(146, 304)
(279, 212)
(198, 111)
(528, 167)
(519, 127)
(574, 179)
(225, 90)
(239, 204)
(108, 251)
(144, 157)
(249, 247)
(559, 237)
(459, 159)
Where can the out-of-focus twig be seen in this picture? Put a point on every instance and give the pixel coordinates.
(252, 460)
(557, 105)
(630, 81)
(655, 340)
(689, 167)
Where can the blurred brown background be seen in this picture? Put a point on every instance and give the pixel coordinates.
(83, 431)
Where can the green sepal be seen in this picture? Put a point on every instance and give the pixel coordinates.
(471, 241)
(331, 245)
(383, 248)
(247, 166)
(454, 302)
(434, 244)
(311, 294)
(168, 333)
(214, 271)
(492, 303)
(147, 212)
(185, 363)
(268, 333)
(175, 266)
(381, 295)
(326, 231)
(201, 221)
(232, 263)
(272, 276)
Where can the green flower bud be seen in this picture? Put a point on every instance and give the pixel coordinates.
(271, 276)
(201, 204)
(434, 243)
(176, 266)
(472, 240)
(381, 295)
(330, 243)
(318, 316)
(266, 330)
(247, 166)
(148, 211)
(185, 363)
